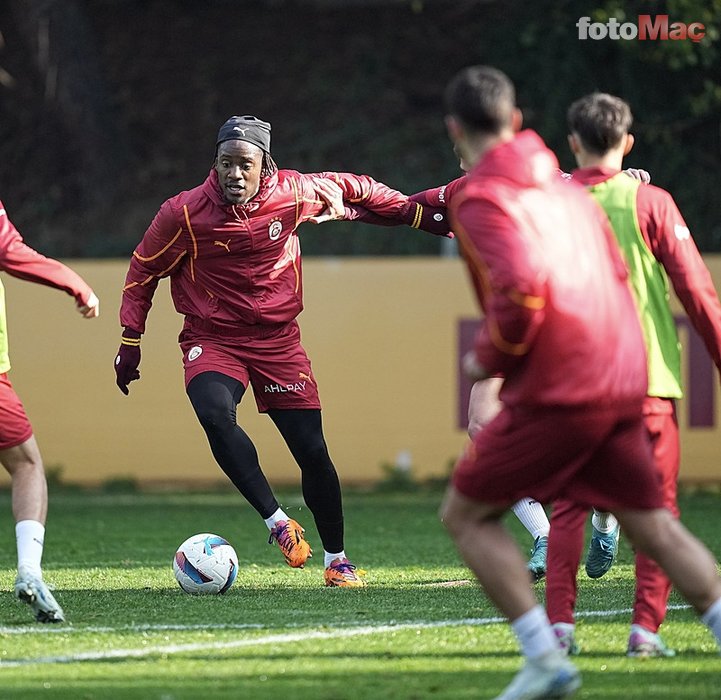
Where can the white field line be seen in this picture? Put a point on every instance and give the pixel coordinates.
(338, 633)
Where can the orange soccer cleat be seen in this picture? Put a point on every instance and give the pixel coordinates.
(288, 534)
(342, 574)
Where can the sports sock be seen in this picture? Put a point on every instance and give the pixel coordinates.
(328, 557)
(712, 619)
(604, 522)
(274, 519)
(532, 516)
(30, 535)
(535, 634)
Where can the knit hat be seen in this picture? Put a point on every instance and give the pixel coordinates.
(247, 128)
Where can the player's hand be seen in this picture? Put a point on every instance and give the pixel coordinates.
(89, 309)
(637, 174)
(332, 195)
(472, 369)
(127, 360)
(484, 404)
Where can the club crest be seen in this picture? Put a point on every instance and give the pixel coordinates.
(275, 229)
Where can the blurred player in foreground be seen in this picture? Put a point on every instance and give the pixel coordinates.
(483, 406)
(19, 452)
(657, 246)
(561, 327)
(230, 247)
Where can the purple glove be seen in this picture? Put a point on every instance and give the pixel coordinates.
(127, 360)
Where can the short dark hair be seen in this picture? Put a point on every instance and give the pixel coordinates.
(482, 97)
(600, 120)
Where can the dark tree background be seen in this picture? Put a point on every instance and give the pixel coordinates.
(108, 107)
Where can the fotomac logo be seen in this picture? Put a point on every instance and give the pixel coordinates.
(656, 28)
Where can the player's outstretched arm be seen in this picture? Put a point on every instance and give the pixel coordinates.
(90, 308)
(375, 203)
(20, 260)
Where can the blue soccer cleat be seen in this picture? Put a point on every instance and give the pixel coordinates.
(537, 563)
(602, 552)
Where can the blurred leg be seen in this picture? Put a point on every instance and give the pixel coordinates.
(565, 546)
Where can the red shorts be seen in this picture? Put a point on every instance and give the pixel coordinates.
(595, 456)
(15, 427)
(270, 358)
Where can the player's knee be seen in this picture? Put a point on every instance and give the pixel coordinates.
(215, 417)
(313, 454)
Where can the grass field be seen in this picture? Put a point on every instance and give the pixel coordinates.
(277, 633)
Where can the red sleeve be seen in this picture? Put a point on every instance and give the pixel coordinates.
(22, 261)
(670, 240)
(509, 289)
(439, 196)
(158, 254)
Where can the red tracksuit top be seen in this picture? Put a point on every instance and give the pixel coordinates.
(560, 323)
(239, 265)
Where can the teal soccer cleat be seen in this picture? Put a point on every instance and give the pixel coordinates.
(602, 552)
(537, 563)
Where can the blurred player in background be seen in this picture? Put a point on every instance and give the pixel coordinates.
(19, 452)
(561, 327)
(657, 246)
(231, 250)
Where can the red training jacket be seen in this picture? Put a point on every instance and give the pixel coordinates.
(240, 265)
(560, 323)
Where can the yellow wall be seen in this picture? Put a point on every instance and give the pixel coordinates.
(382, 335)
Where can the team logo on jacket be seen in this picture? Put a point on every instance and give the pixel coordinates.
(681, 232)
(194, 353)
(274, 229)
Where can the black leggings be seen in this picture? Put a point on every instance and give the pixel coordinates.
(215, 398)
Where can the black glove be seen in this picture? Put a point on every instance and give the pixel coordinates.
(127, 359)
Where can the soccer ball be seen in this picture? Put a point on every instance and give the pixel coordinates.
(205, 564)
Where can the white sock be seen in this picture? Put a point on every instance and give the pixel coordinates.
(30, 536)
(328, 557)
(712, 619)
(274, 519)
(535, 634)
(532, 516)
(604, 522)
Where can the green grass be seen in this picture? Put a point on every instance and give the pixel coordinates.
(277, 633)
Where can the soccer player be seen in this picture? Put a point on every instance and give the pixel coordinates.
(484, 404)
(19, 452)
(230, 247)
(657, 247)
(561, 328)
